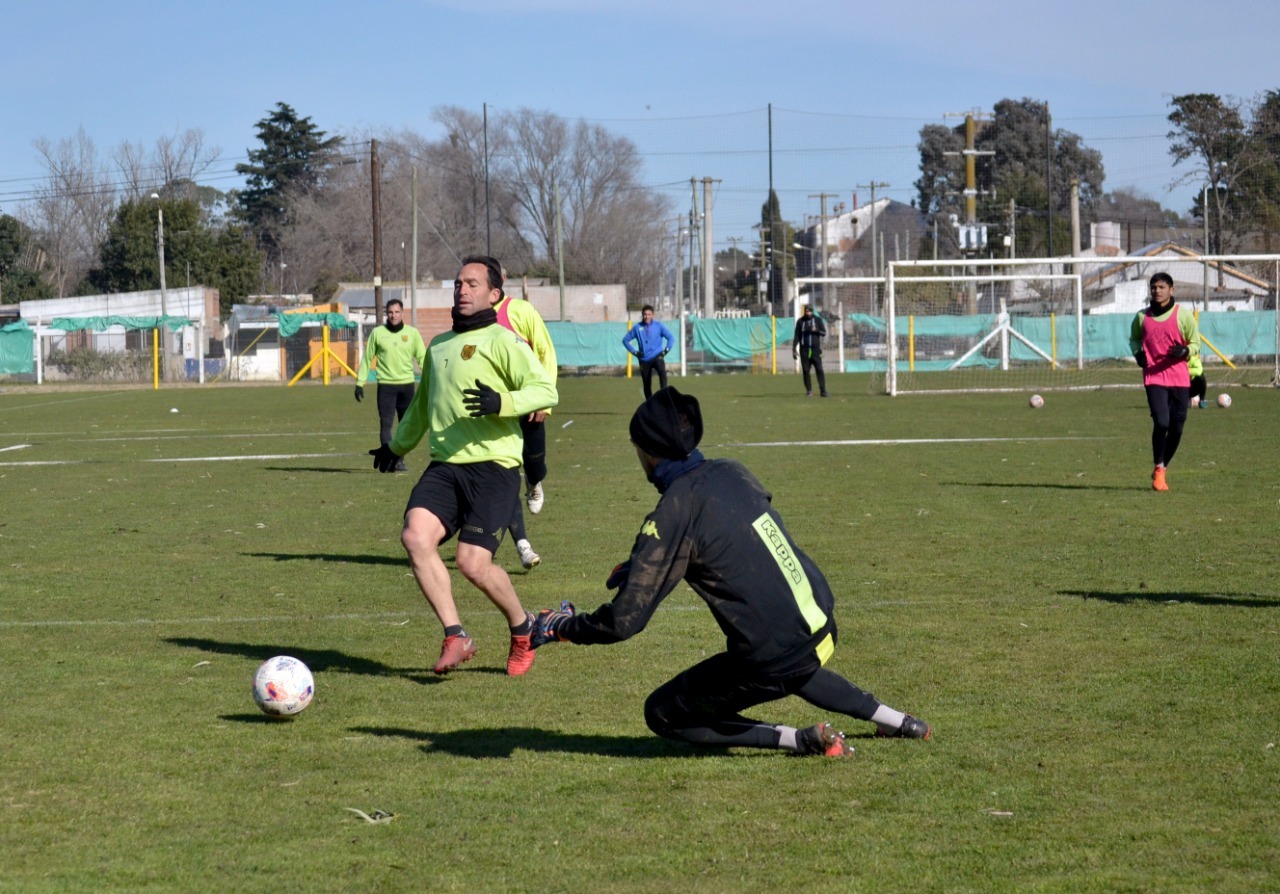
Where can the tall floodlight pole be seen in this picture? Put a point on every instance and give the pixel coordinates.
(488, 249)
(164, 299)
(377, 232)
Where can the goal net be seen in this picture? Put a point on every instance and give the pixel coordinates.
(1040, 325)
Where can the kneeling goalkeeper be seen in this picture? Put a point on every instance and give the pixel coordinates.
(714, 527)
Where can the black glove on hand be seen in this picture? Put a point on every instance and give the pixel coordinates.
(481, 400)
(359, 393)
(1180, 352)
(546, 627)
(1141, 357)
(666, 352)
(618, 576)
(384, 458)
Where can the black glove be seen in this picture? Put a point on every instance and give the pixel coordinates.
(481, 400)
(618, 576)
(384, 458)
(359, 393)
(546, 627)
(1141, 357)
(666, 352)
(1180, 352)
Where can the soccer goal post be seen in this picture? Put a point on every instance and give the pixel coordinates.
(1059, 324)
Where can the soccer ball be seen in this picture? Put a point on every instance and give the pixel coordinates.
(283, 686)
(1224, 400)
(1036, 401)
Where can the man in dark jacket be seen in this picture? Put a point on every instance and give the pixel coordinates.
(715, 528)
(806, 346)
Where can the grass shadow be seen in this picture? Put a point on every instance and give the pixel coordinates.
(309, 469)
(503, 742)
(1047, 485)
(1234, 600)
(332, 557)
(318, 660)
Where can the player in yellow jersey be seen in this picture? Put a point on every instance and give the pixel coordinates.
(478, 380)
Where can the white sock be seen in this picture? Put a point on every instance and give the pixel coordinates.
(788, 738)
(888, 718)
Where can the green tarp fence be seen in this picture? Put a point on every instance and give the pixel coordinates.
(17, 349)
(739, 339)
(100, 324)
(1106, 336)
(291, 323)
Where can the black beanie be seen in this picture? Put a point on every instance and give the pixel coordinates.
(655, 425)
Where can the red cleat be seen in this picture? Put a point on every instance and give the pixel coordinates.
(521, 656)
(455, 650)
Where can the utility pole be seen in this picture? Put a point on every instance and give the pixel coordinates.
(708, 251)
(873, 186)
(733, 252)
(377, 232)
(413, 271)
(822, 197)
(972, 243)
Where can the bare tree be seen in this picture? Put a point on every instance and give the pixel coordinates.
(71, 210)
(586, 181)
(172, 167)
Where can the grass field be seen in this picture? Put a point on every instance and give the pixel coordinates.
(1098, 661)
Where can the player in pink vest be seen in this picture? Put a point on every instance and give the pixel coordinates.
(1163, 338)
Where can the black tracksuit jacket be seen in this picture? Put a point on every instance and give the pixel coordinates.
(716, 529)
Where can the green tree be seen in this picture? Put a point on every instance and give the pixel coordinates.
(19, 279)
(1022, 149)
(290, 163)
(223, 257)
(778, 263)
(1263, 188)
(1210, 132)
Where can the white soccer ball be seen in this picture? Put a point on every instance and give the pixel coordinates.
(1224, 400)
(1036, 401)
(283, 686)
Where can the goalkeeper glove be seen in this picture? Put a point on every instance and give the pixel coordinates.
(1180, 352)
(359, 393)
(384, 458)
(618, 576)
(546, 627)
(481, 400)
(1141, 357)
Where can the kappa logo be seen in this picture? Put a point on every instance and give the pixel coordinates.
(651, 528)
(468, 351)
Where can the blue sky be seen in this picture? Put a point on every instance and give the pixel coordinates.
(135, 70)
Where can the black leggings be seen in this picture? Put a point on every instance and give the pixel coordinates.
(1168, 415)
(702, 705)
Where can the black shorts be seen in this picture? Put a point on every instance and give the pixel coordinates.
(472, 500)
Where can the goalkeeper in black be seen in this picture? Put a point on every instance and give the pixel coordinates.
(715, 528)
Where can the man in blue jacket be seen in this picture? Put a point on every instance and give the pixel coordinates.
(649, 341)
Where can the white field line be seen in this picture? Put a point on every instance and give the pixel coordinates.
(879, 442)
(293, 619)
(179, 459)
(146, 622)
(14, 447)
(174, 434)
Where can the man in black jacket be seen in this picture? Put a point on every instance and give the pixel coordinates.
(806, 346)
(715, 528)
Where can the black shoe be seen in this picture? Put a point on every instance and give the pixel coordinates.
(823, 739)
(400, 466)
(912, 728)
